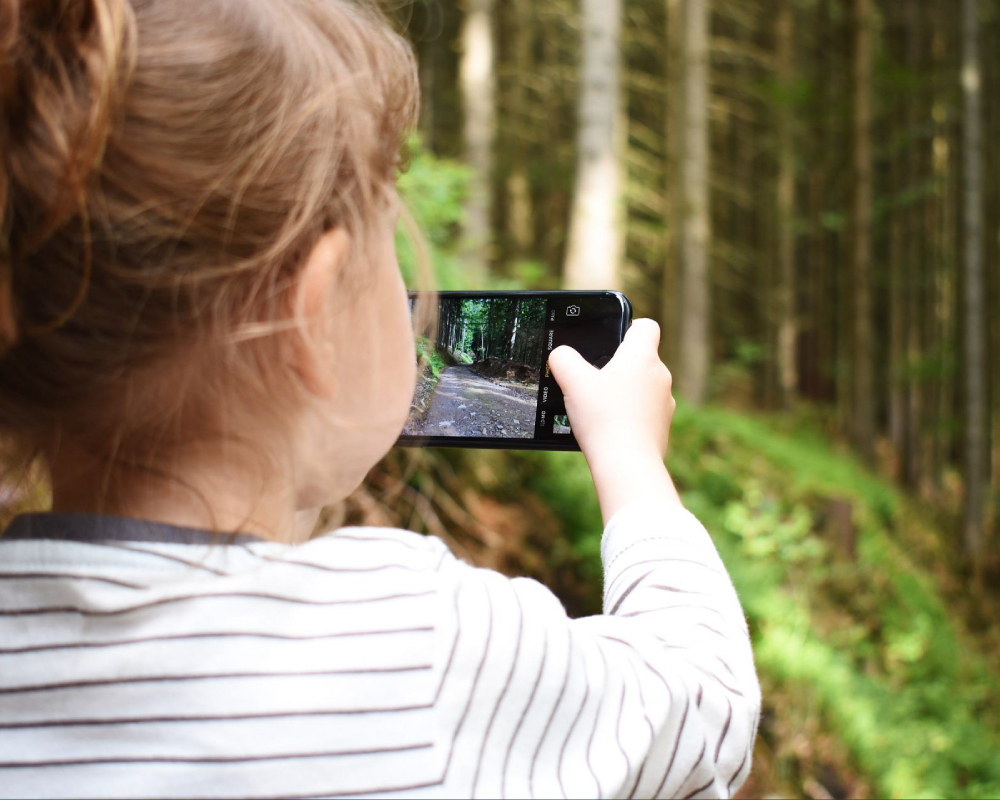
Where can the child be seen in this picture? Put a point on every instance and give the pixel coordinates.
(204, 332)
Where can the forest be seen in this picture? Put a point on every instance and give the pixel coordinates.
(806, 195)
(506, 329)
(804, 192)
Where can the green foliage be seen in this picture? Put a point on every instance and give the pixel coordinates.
(868, 637)
(797, 96)
(565, 483)
(433, 190)
(531, 275)
(428, 356)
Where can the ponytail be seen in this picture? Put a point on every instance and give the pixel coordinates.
(63, 67)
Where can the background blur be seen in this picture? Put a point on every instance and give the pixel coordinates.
(806, 195)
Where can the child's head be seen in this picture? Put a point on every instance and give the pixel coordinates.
(197, 212)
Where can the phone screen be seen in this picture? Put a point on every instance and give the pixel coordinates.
(483, 380)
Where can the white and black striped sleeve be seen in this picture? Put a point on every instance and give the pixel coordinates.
(658, 697)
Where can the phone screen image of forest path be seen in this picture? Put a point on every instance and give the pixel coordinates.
(480, 376)
(467, 404)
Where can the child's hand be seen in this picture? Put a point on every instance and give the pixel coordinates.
(621, 416)
(628, 405)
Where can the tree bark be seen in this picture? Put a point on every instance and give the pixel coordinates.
(514, 329)
(595, 238)
(674, 118)
(787, 328)
(975, 366)
(898, 132)
(520, 214)
(991, 236)
(863, 413)
(922, 236)
(478, 84)
(695, 233)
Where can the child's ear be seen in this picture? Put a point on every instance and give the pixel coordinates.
(312, 298)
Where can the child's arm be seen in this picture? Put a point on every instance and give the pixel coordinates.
(621, 416)
(656, 698)
(661, 569)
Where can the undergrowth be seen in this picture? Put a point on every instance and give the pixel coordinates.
(429, 358)
(840, 608)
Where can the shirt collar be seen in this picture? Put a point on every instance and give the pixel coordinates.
(103, 527)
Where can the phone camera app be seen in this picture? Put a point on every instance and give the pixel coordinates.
(573, 311)
(479, 377)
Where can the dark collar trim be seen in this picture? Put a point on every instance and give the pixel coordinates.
(101, 527)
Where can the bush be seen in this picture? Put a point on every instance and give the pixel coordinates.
(434, 190)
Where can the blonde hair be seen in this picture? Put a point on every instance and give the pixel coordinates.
(164, 169)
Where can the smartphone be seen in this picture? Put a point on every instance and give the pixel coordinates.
(484, 380)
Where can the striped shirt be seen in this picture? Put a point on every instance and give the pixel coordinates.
(143, 660)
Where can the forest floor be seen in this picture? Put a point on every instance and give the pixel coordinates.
(467, 404)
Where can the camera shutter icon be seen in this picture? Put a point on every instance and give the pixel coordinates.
(573, 311)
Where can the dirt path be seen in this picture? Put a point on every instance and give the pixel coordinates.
(466, 404)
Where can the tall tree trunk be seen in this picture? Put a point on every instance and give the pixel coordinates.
(508, 330)
(941, 304)
(922, 235)
(595, 237)
(478, 82)
(900, 181)
(975, 365)
(839, 86)
(428, 86)
(785, 306)
(674, 117)
(520, 214)
(695, 232)
(826, 316)
(897, 321)
(991, 237)
(514, 327)
(863, 412)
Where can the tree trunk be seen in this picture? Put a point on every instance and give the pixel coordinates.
(428, 86)
(921, 237)
(595, 237)
(975, 365)
(898, 132)
(514, 326)
(674, 117)
(695, 232)
(785, 306)
(992, 257)
(863, 412)
(520, 215)
(478, 83)
(489, 330)
(822, 266)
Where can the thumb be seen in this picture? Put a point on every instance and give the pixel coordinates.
(569, 368)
